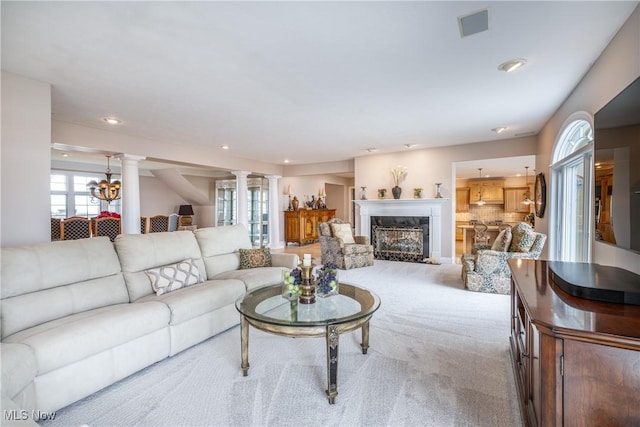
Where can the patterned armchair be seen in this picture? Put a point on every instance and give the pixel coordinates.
(338, 245)
(486, 269)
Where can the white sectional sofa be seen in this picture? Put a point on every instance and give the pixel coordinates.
(77, 316)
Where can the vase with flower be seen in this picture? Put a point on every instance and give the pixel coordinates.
(398, 173)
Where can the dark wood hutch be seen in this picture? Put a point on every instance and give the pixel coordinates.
(576, 361)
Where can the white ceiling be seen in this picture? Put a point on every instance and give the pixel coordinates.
(276, 80)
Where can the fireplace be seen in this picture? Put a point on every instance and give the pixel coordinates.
(400, 238)
(428, 210)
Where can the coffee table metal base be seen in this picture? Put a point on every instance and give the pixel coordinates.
(330, 332)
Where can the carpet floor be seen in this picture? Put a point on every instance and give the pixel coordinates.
(438, 356)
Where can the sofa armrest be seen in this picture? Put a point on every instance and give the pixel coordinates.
(19, 368)
(21, 416)
(285, 260)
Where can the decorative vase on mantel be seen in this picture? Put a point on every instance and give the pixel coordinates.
(396, 191)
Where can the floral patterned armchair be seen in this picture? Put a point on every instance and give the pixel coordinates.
(486, 269)
(339, 246)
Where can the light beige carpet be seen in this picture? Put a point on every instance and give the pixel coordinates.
(438, 357)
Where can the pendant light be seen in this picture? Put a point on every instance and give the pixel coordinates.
(106, 189)
(480, 202)
(527, 195)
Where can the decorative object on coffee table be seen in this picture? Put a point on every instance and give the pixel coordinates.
(327, 280)
(307, 288)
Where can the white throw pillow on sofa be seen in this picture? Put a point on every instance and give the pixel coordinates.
(173, 276)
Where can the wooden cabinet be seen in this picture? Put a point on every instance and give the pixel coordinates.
(490, 189)
(575, 360)
(462, 199)
(513, 198)
(301, 226)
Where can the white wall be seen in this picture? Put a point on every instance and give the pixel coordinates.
(25, 161)
(614, 70)
(428, 166)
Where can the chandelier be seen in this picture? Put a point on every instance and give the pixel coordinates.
(105, 190)
(527, 195)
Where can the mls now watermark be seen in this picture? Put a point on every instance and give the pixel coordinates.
(23, 415)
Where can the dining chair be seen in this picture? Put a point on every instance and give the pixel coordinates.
(144, 229)
(158, 223)
(75, 228)
(55, 229)
(173, 222)
(107, 226)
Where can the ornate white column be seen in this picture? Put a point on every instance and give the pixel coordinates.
(130, 193)
(242, 208)
(274, 212)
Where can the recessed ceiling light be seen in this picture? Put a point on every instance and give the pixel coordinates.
(112, 120)
(371, 150)
(286, 160)
(409, 145)
(512, 65)
(65, 155)
(499, 129)
(224, 147)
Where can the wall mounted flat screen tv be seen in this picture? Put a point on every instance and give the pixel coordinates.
(617, 169)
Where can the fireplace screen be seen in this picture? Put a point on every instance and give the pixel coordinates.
(400, 238)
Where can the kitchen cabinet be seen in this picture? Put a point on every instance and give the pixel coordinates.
(301, 226)
(492, 191)
(513, 198)
(462, 199)
(575, 360)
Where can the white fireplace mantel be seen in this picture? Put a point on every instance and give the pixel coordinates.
(431, 208)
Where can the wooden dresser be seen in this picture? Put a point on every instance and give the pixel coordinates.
(301, 226)
(576, 361)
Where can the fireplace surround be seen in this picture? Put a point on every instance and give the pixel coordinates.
(417, 208)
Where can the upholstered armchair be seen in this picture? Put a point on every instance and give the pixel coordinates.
(340, 246)
(486, 269)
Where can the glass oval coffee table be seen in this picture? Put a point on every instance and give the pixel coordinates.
(265, 309)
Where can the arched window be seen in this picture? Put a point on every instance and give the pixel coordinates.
(571, 180)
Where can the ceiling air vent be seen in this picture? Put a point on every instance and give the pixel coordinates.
(474, 23)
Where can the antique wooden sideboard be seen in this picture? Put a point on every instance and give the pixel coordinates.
(576, 361)
(301, 226)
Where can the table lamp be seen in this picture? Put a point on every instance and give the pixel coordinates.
(185, 212)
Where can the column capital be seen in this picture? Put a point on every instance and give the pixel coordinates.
(124, 156)
(273, 176)
(239, 174)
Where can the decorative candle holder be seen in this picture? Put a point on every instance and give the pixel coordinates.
(308, 288)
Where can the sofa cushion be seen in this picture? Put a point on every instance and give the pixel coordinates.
(503, 241)
(255, 277)
(64, 341)
(194, 301)
(219, 247)
(523, 237)
(254, 258)
(174, 276)
(140, 252)
(343, 232)
(48, 281)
